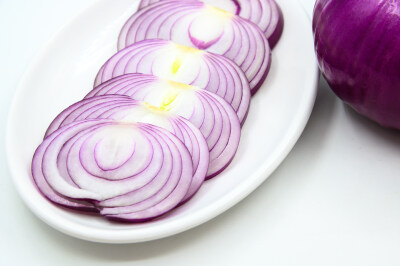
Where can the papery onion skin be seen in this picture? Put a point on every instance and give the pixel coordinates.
(358, 50)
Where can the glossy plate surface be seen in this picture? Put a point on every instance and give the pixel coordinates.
(64, 72)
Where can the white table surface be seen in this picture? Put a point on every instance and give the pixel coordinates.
(334, 201)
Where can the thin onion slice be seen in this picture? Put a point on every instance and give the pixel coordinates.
(125, 109)
(198, 25)
(117, 162)
(40, 180)
(211, 114)
(265, 14)
(183, 64)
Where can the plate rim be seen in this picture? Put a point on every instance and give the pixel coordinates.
(196, 218)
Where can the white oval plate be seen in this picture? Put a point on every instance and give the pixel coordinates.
(64, 72)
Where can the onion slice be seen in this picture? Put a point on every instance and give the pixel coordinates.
(211, 114)
(125, 109)
(117, 162)
(40, 180)
(266, 14)
(168, 60)
(198, 25)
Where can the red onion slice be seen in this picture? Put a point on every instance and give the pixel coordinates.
(201, 26)
(265, 14)
(124, 108)
(214, 117)
(41, 182)
(183, 64)
(109, 161)
(130, 207)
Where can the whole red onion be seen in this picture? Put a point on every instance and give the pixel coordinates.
(358, 48)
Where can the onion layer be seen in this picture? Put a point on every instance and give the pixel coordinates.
(214, 117)
(141, 169)
(125, 109)
(265, 14)
(201, 26)
(183, 64)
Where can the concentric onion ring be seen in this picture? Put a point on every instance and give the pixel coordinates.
(201, 26)
(116, 165)
(41, 183)
(183, 64)
(211, 114)
(265, 14)
(124, 108)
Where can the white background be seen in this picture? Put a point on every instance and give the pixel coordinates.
(334, 201)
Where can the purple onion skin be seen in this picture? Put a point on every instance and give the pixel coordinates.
(358, 50)
(276, 36)
(259, 84)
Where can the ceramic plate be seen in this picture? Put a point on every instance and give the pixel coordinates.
(64, 72)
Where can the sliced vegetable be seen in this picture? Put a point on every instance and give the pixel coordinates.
(116, 164)
(214, 117)
(198, 25)
(179, 63)
(124, 108)
(358, 49)
(45, 188)
(265, 14)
